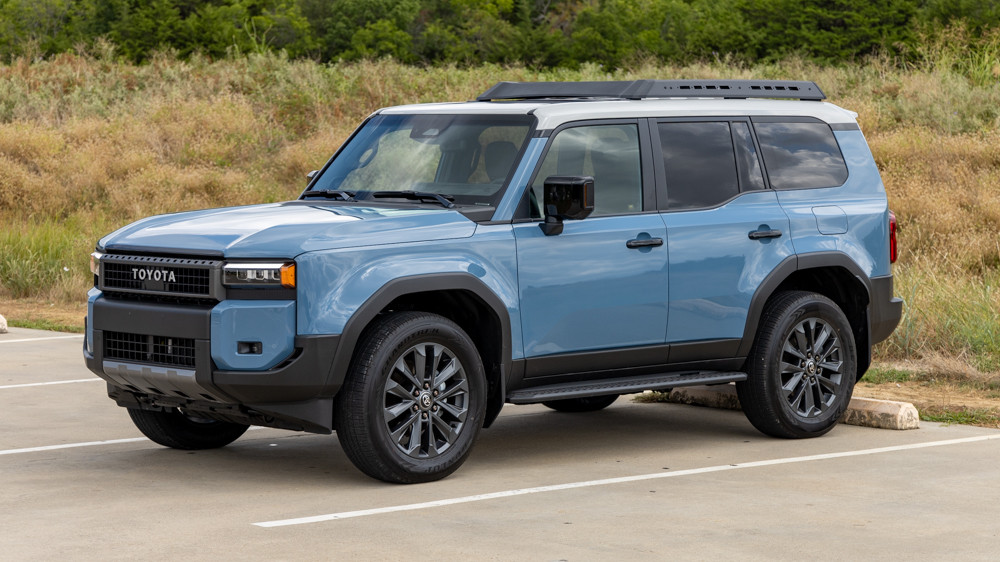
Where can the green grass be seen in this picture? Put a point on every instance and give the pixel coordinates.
(885, 375)
(980, 417)
(48, 325)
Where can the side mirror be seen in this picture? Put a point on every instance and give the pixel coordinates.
(566, 198)
(311, 175)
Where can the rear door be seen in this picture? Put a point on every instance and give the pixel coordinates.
(725, 231)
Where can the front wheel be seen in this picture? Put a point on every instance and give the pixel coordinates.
(802, 367)
(178, 430)
(414, 399)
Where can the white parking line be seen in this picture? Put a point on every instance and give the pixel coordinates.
(94, 379)
(609, 481)
(72, 446)
(43, 339)
(87, 444)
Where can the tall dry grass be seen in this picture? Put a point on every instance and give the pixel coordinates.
(88, 144)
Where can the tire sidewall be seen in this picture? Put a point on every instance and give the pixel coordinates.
(430, 330)
(820, 308)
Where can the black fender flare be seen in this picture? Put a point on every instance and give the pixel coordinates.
(403, 286)
(786, 269)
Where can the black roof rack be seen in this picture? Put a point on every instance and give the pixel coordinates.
(639, 89)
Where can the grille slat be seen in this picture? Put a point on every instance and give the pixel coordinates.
(141, 348)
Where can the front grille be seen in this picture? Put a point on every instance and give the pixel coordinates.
(140, 348)
(160, 275)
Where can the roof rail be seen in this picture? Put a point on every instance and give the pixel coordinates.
(639, 89)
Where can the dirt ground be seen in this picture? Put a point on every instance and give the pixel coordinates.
(956, 395)
(44, 315)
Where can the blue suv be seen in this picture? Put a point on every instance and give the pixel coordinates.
(554, 243)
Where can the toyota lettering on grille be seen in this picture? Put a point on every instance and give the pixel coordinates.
(153, 279)
(150, 274)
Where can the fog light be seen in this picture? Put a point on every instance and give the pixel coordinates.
(249, 348)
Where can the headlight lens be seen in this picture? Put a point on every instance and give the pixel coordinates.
(95, 263)
(259, 274)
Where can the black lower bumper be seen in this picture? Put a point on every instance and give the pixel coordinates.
(296, 394)
(885, 310)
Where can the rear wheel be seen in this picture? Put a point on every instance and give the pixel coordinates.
(414, 399)
(586, 404)
(802, 367)
(176, 429)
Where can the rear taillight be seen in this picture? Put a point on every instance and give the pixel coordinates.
(893, 251)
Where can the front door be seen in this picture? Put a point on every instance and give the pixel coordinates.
(586, 289)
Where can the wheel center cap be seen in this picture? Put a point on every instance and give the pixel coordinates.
(811, 367)
(426, 401)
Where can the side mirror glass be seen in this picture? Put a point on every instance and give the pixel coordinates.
(566, 198)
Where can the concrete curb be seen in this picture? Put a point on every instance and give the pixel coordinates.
(866, 412)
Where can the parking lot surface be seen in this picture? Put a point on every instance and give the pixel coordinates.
(642, 481)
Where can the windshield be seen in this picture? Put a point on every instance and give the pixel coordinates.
(464, 158)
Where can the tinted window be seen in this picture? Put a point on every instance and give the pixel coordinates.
(609, 153)
(751, 176)
(700, 164)
(801, 155)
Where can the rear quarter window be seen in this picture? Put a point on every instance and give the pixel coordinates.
(801, 155)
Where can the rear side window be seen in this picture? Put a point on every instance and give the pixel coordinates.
(801, 155)
(700, 164)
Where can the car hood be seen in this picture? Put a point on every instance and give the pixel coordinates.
(285, 230)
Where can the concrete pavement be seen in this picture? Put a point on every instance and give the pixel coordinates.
(79, 482)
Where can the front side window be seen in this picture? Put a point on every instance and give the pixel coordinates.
(801, 155)
(609, 153)
(464, 157)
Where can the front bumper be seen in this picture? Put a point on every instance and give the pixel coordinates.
(297, 391)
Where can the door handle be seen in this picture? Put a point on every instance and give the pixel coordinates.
(758, 234)
(644, 242)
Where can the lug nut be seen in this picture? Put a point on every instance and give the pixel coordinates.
(435, 393)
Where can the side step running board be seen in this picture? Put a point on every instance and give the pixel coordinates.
(627, 385)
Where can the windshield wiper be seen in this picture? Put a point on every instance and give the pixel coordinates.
(334, 194)
(444, 200)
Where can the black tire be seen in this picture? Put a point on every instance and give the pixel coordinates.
(586, 404)
(174, 429)
(790, 393)
(394, 422)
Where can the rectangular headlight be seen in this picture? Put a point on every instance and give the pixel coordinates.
(95, 263)
(259, 275)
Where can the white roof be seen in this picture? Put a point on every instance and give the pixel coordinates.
(552, 114)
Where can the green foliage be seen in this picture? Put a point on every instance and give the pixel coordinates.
(538, 33)
(830, 30)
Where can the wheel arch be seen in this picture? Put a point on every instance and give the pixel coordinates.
(831, 274)
(463, 299)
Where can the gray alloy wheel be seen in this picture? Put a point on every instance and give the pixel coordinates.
(426, 400)
(414, 399)
(811, 367)
(802, 367)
